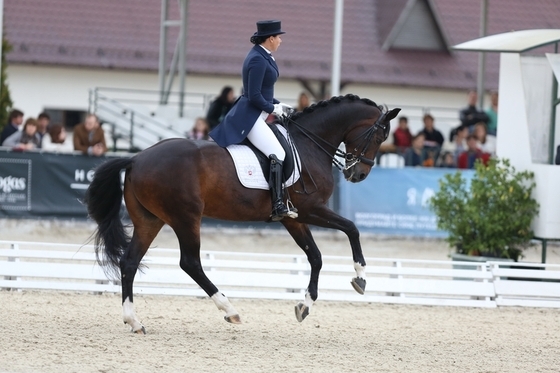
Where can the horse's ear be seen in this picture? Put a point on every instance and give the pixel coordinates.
(392, 114)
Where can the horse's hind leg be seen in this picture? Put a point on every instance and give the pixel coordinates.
(302, 235)
(189, 241)
(146, 228)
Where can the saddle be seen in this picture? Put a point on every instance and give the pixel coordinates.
(264, 161)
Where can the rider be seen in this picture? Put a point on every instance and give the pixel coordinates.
(246, 119)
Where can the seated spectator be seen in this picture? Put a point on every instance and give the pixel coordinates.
(446, 160)
(486, 142)
(468, 158)
(430, 157)
(200, 130)
(458, 142)
(43, 121)
(26, 139)
(433, 138)
(414, 156)
(220, 107)
(492, 113)
(470, 115)
(14, 121)
(56, 140)
(89, 137)
(402, 138)
(303, 101)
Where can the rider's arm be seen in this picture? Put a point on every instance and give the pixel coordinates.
(256, 71)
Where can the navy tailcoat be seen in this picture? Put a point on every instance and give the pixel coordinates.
(260, 72)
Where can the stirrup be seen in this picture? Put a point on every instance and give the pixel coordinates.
(292, 211)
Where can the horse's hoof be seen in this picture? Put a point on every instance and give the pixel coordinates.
(301, 312)
(359, 284)
(140, 331)
(234, 319)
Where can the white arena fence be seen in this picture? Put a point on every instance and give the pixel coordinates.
(71, 267)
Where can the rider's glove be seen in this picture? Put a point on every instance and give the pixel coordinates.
(278, 110)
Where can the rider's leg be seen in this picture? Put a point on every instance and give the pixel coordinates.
(262, 137)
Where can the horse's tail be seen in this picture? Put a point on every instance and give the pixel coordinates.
(103, 200)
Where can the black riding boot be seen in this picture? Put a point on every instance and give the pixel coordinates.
(279, 208)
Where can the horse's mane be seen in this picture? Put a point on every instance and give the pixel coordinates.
(333, 100)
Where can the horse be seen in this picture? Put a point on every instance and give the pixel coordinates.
(178, 181)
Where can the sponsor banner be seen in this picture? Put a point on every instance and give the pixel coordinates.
(35, 184)
(394, 201)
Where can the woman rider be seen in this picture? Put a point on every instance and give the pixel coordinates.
(247, 117)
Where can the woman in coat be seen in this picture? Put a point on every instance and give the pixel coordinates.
(246, 119)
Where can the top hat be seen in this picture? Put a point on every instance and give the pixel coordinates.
(267, 28)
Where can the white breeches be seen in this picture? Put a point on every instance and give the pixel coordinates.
(264, 139)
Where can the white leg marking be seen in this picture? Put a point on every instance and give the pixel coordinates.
(360, 270)
(308, 301)
(129, 316)
(223, 304)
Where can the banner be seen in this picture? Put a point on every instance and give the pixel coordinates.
(394, 201)
(35, 184)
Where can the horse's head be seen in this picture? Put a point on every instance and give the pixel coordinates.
(362, 146)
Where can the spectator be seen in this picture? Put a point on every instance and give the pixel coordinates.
(458, 142)
(89, 137)
(220, 107)
(26, 139)
(430, 157)
(200, 130)
(414, 156)
(43, 121)
(492, 114)
(303, 101)
(402, 138)
(470, 115)
(486, 142)
(447, 160)
(468, 158)
(433, 138)
(15, 120)
(56, 140)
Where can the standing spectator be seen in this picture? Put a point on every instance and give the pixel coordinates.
(14, 121)
(89, 137)
(56, 140)
(43, 121)
(402, 138)
(414, 156)
(303, 101)
(26, 139)
(492, 114)
(470, 115)
(200, 130)
(433, 138)
(486, 142)
(220, 107)
(468, 158)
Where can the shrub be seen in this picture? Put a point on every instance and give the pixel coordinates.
(492, 216)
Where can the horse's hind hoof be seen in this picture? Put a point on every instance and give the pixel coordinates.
(301, 311)
(359, 284)
(139, 331)
(233, 319)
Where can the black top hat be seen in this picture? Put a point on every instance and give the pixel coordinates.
(267, 28)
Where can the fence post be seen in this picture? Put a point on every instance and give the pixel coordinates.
(131, 136)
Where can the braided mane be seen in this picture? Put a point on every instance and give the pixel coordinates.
(333, 100)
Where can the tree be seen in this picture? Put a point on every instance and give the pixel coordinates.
(5, 99)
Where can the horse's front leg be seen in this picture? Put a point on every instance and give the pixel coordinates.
(302, 235)
(322, 216)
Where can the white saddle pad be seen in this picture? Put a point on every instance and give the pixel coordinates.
(249, 170)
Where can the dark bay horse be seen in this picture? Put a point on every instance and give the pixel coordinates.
(177, 182)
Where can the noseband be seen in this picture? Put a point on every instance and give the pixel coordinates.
(351, 158)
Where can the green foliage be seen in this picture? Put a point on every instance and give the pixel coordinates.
(5, 99)
(493, 216)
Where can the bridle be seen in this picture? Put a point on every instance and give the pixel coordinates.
(357, 155)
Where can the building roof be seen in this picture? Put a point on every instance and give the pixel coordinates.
(125, 34)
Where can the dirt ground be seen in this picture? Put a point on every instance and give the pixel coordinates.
(47, 332)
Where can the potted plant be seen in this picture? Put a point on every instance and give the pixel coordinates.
(490, 216)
